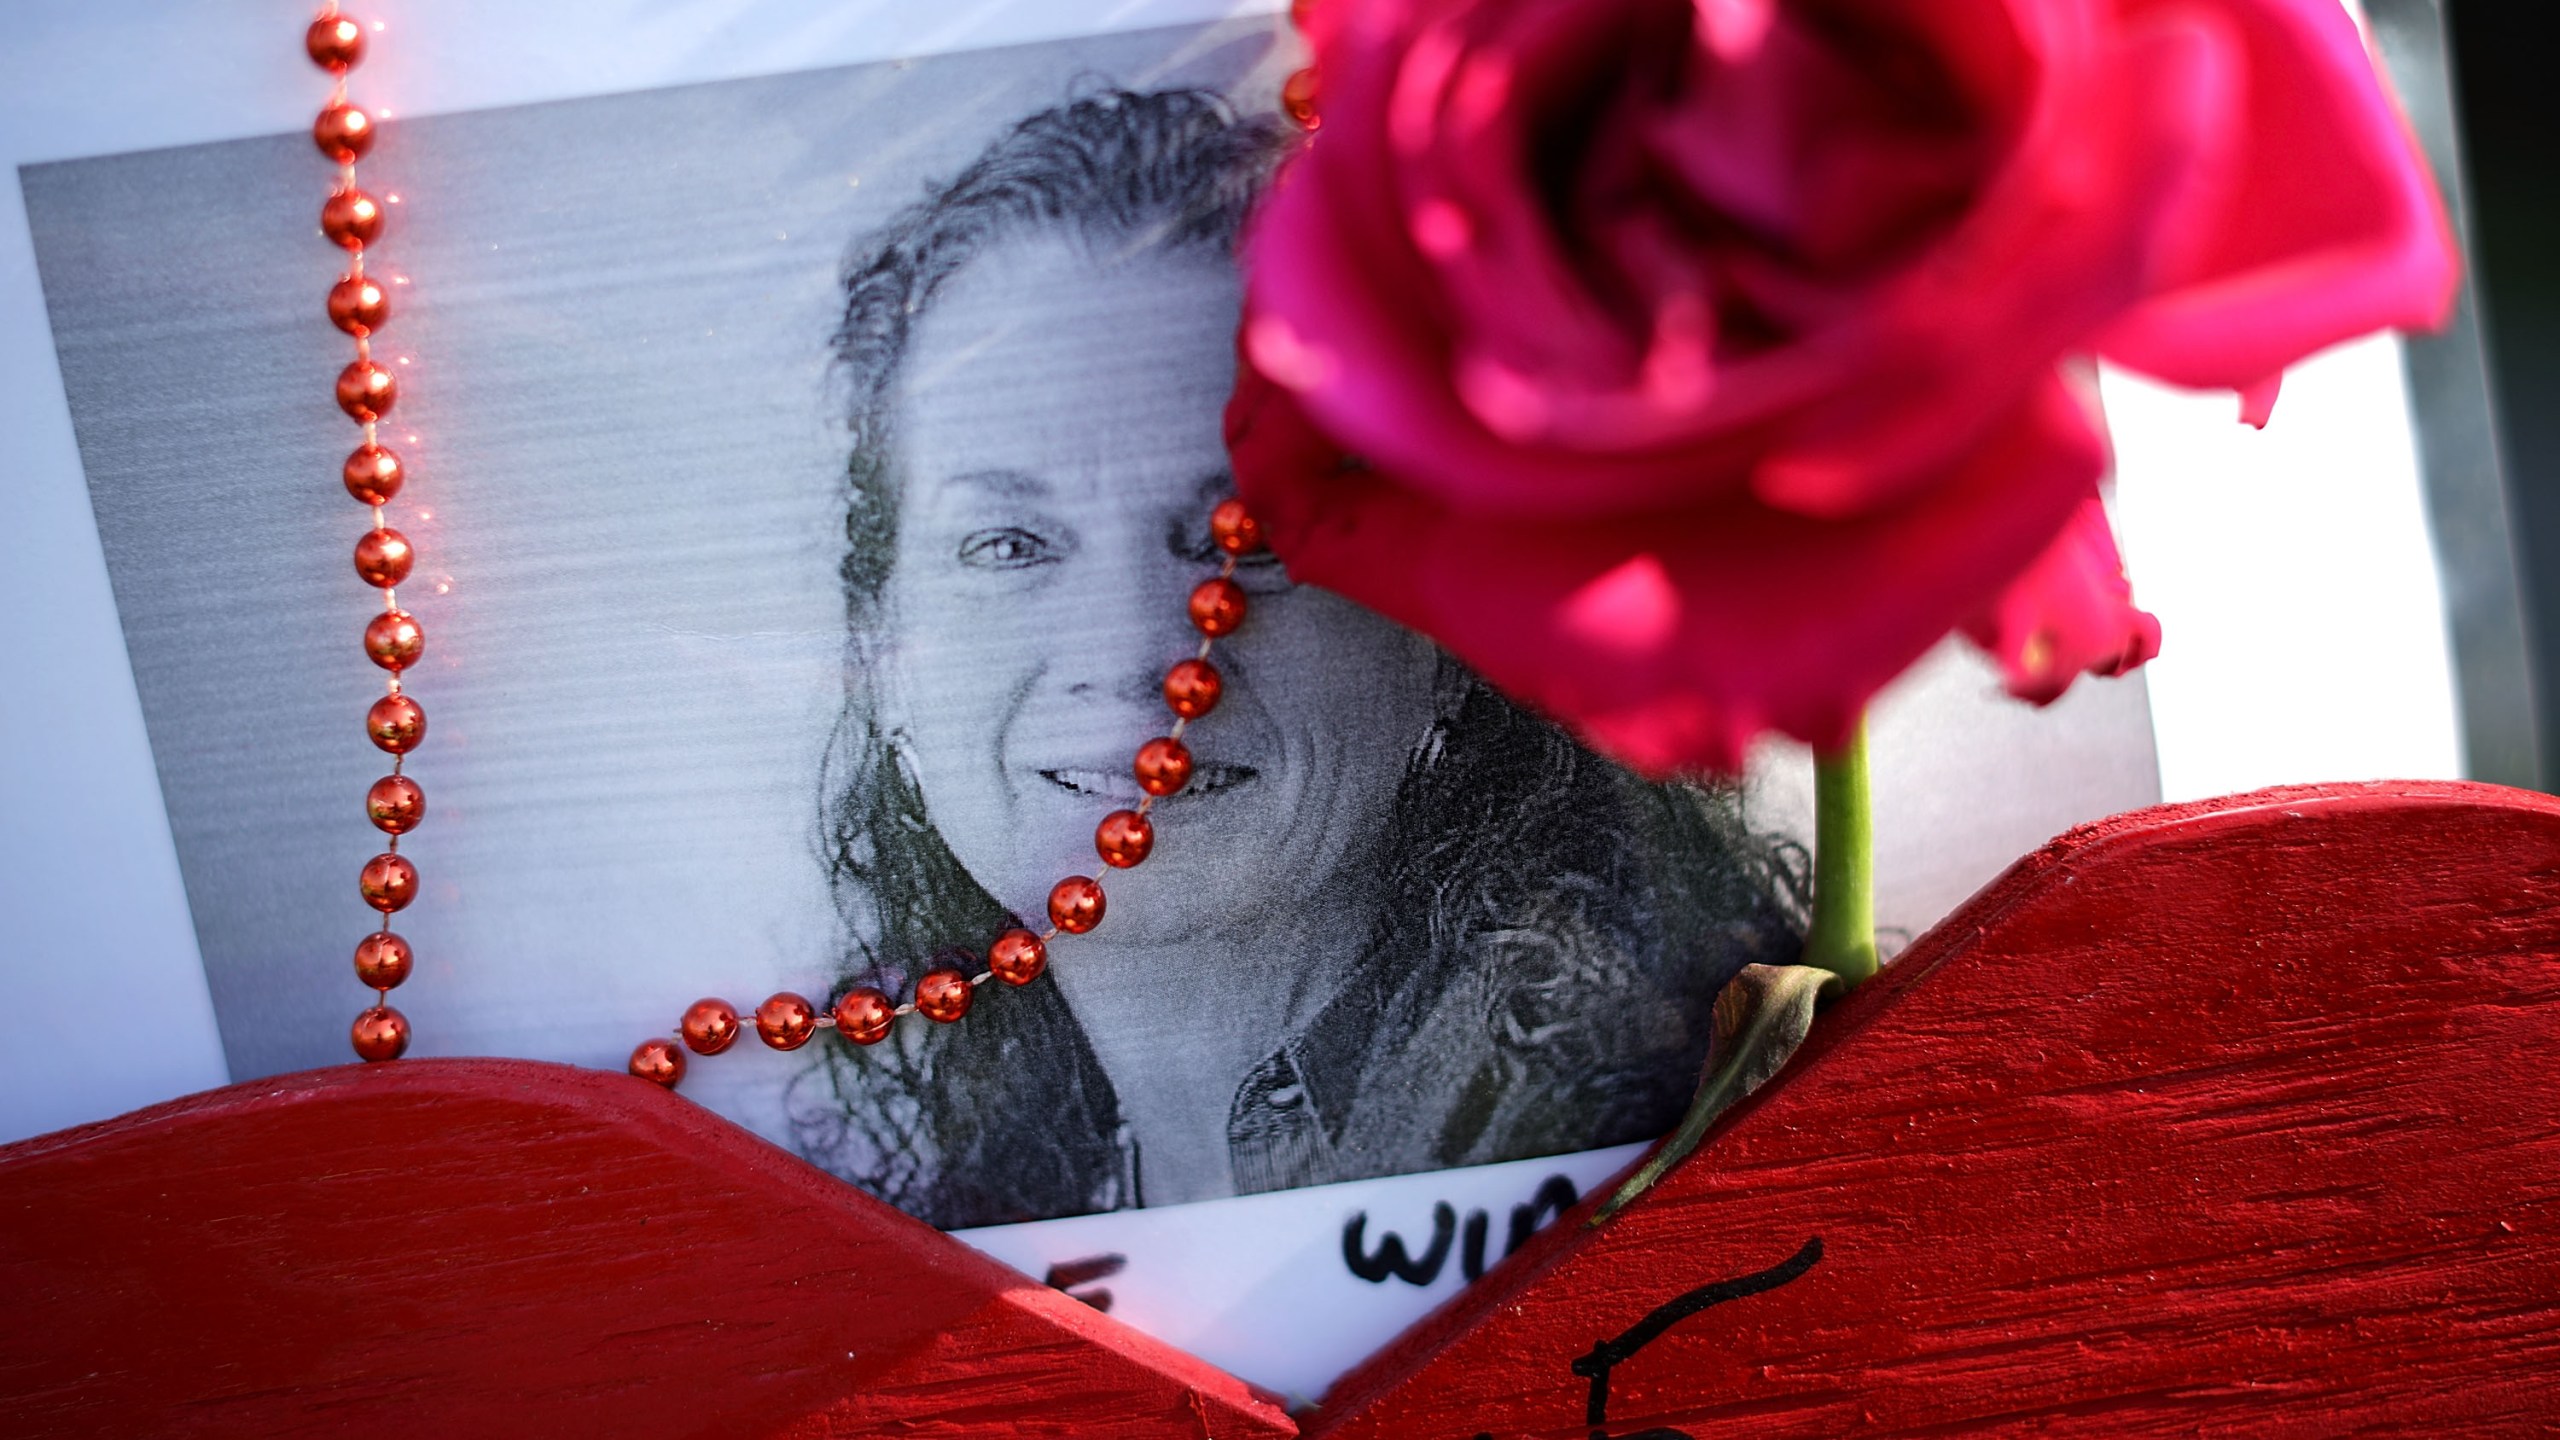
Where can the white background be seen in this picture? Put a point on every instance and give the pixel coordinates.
(2290, 568)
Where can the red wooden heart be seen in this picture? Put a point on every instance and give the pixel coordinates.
(2234, 1116)
(500, 1248)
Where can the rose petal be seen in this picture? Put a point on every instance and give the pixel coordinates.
(2258, 401)
(2065, 241)
(2328, 226)
(1776, 622)
(2071, 611)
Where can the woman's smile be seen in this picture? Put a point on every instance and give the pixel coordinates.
(1120, 786)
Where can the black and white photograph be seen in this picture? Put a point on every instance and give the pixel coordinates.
(810, 472)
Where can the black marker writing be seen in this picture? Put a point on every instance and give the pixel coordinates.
(1555, 1195)
(1391, 1258)
(1611, 1353)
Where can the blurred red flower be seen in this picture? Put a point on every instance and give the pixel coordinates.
(1707, 361)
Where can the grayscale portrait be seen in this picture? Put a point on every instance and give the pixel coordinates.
(1393, 924)
(808, 475)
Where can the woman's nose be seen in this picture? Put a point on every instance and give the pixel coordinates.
(1121, 625)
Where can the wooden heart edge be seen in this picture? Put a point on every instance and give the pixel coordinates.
(488, 1246)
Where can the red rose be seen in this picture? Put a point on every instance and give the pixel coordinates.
(1707, 361)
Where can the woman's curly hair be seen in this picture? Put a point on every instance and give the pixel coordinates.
(1501, 826)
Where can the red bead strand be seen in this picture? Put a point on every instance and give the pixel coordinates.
(709, 1027)
(659, 1062)
(1298, 92)
(786, 1021)
(864, 1015)
(366, 391)
(946, 991)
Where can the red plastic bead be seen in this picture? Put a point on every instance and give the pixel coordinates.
(864, 1015)
(351, 217)
(366, 391)
(380, 1034)
(709, 1026)
(343, 132)
(1123, 838)
(1234, 528)
(396, 724)
(1191, 688)
(373, 475)
(1163, 766)
(395, 804)
(944, 994)
(1075, 904)
(394, 640)
(388, 882)
(358, 304)
(659, 1062)
(1017, 957)
(1298, 97)
(383, 960)
(336, 43)
(1217, 606)
(383, 557)
(786, 1021)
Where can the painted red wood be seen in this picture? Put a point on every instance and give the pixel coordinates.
(500, 1248)
(2235, 1116)
(2238, 1117)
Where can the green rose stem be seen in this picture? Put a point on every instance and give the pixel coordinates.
(1839, 952)
(1843, 937)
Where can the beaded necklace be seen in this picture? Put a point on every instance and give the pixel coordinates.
(866, 1014)
(1019, 956)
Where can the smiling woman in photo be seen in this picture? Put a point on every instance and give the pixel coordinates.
(1394, 924)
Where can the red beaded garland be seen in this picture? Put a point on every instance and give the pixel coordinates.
(395, 804)
(351, 217)
(659, 1062)
(1017, 957)
(786, 1020)
(1163, 766)
(1234, 528)
(383, 557)
(359, 305)
(335, 43)
(366, 391)
(1123, 838)
(1075, 904)
(388, 882)
(1217, 606)
(383, 960)
(396, 724)
(709, 1026)
(373, 474)
(394, 640)
(380, 1033)
(1298, 97)
(1298, 92)
(343, 133)
(944, 994)
(1191, 688)
(864, 1015)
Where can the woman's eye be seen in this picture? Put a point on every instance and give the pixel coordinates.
(1005, 549)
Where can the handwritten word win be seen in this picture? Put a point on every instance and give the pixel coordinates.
(1394, 1258)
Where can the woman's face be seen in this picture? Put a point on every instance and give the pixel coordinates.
(1056, 434)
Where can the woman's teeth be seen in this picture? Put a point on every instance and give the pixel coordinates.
(1103, 784)
(1207, 778)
